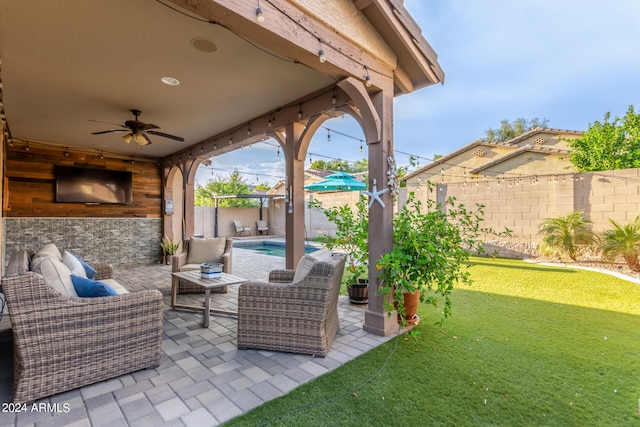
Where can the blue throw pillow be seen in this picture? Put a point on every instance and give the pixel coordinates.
(91, 272)
(87, 288)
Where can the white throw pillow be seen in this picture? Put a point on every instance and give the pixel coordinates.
(73, 264)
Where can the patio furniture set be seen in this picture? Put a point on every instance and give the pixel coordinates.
(63, 338)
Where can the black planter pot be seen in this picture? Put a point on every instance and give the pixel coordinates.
(359, 292)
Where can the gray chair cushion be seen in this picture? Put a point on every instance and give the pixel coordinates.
(19, 263)
(304, 267)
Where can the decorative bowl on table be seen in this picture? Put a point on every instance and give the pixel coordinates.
(211, 270)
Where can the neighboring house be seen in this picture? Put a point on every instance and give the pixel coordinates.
(536, 152)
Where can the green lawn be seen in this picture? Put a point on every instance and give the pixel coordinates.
(526, 345)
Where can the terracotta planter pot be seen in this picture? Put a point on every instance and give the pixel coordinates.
(358, 293)
(411, 302)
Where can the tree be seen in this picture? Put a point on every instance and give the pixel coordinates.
(233, 184)
(609, 145)
(341, 165)
(509, 130)
(565, 234)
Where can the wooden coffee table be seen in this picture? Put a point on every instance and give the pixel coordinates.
(194, 278)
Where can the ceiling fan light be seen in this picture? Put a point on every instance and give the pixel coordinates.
(140, 139)
(127, 138)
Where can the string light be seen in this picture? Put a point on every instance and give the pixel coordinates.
(259, 14)
(367, 78)
(321, 56)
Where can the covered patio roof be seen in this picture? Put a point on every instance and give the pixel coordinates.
(66, 63)
(247, 70)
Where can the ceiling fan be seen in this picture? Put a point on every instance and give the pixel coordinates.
(137, 130)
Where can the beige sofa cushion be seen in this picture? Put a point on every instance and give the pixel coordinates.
(205, 250)
(56, 273)
(50, 250)
(115, 285)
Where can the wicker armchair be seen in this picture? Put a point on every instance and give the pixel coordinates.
(292, 316)
(218, 249)
(62, 343)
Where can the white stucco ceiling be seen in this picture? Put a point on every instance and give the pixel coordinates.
(67, 62)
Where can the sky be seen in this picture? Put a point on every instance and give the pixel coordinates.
(567, 61)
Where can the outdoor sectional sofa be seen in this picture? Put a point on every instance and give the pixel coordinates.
(62, 342)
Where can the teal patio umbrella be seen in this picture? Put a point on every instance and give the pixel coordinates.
(339, 181)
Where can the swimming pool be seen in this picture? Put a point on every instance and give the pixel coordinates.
(270, 248)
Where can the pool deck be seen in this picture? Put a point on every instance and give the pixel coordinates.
(203, 379)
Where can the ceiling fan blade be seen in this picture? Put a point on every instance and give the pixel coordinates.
(110, 130)
(109, 123)
(148, 126)
(166, 135)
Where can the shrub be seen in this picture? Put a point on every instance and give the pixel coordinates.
(623, 240)
(565, 234)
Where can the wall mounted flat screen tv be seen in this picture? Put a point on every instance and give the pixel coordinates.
(85, 185)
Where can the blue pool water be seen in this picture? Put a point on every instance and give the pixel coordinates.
(269, 248)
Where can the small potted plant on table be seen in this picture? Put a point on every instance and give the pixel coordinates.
(169, 249)
(351, 238)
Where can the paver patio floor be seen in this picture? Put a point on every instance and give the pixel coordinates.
(203, 379)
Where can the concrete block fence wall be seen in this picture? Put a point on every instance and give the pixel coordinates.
(204, 220)
(120, 241)
(522, 203)
(316, 223)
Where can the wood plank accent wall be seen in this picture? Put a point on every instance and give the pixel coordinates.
(32, 181)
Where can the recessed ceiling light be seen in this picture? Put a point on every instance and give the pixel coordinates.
(170, 81)
(204, 45)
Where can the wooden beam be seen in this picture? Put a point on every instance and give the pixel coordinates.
(360, 96)
(259, 128)
(362, 4)
(403, 81)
